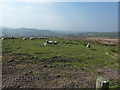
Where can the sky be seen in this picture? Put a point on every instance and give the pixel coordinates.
(59, 0)
(64, 16)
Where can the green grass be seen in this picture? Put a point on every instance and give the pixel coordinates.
(72, 54)
(95, 56)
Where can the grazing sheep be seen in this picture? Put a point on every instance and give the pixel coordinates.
(12, 36)
(49, 42)
(31, 38)
(52, 42)
(55, 42)
(2, 38)
(88, 45)
(24, 38)
(45, 44)
(41, 37)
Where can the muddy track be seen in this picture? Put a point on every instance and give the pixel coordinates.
(28, 73)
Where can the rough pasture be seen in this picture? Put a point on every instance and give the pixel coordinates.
(70, 64)
(102, 41)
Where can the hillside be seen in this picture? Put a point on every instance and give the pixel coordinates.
(98, 34)
(25, 32)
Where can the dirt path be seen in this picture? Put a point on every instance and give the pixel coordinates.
(33, 75)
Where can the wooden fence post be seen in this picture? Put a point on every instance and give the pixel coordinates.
(102, 83)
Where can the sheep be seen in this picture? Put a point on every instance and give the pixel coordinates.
(12, 36)
(55, 42)
(49, 42)
(2, 38)
(24, 38)
(52, 42)
(88, 45)
(41, 37)
(31, 38)
(45, 44)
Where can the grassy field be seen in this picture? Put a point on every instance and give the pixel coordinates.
(70, 64)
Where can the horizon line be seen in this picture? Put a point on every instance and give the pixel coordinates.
(53, 29)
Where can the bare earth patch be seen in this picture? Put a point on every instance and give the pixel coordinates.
(38, 76)
(111, 73)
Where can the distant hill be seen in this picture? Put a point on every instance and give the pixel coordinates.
(91, 34)
(99, 34)
(25, 32)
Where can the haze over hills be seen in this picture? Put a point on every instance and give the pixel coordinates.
(27, 32)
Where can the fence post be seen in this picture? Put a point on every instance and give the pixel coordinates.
(102, 83)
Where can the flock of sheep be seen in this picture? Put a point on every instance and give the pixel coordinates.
(48, 42)
(53, 42)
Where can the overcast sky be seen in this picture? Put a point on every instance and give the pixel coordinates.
(78, 16)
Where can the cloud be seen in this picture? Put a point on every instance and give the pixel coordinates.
(10, 6)
(37, 15)
(46, 15)
(7, 8)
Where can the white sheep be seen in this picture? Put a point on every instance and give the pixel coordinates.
(55, 42)
(45, 44)
(51, 42)
(31, 38)
(12, 36)
(24, 38)
(41, 37)
(88, 45)
(2, 38)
